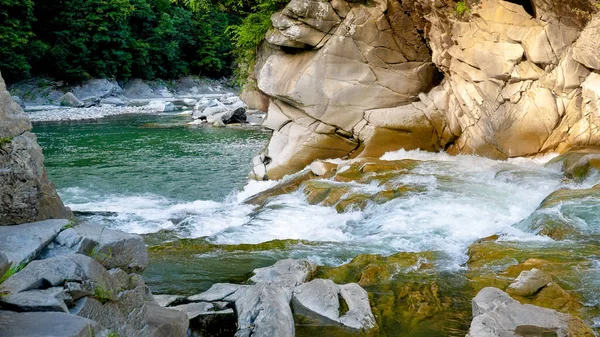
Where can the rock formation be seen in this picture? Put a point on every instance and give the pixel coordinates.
(26, 195)
(354, 78)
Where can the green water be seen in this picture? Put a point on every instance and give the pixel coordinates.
(146, 155)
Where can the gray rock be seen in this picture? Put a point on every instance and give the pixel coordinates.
(289, 273)
(321, 299)
(211, 111)
(194, 310)
(137, 88)
(495, 314)
(218, 292)
(529, 282)
(54, 272)
(18, 100)
(47, 324)
(96, 89)
(4, 264)
(234, 116)
(116, 101)
(24, 242)
(70, 100)
(26, 195)
(165, 322)
(168, 300)
(112, 248)
(264, 311)
(52, 299)
(161, 106)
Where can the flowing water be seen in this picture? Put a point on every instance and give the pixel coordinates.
(153, 175)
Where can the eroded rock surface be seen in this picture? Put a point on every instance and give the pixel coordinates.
(349, 78)
(26, 195)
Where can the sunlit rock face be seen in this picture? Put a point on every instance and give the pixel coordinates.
(356, 78)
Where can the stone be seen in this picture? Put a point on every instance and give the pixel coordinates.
(235, 116)
(51, 299)
(167, 300)
(217, 292)
(116, 101)
(26, 194)
(323, 297)
(112, 248)
(586, 47)
(194, 310)
(23, 243)
(19, 101)
(289, 273)
(496, 314)
(54, 272)
(263, 311)
(96, 89)
(55, 324)
(70, 100)
(160, 106)
(529, 282)
(165, 322)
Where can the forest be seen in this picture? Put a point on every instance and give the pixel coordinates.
(74, 40)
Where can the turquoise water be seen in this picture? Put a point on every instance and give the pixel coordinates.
(133, 168)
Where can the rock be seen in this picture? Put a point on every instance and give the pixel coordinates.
(166, 322)
(588, 43)
(204, 309)
(236, 116)
(26, 195)
(496, 314)
(116, 101)
(161, 106)
(321, 168)
(288, 273)
(51, 299)
(97, 89)
(70, 100)
(4, 264)
(137, 88)
(53, 324)
(23, 243)
(578, 163)
(54, 272)
(217, 292)
(18, 100)
(113, 249)
(264, 311)
(529, 282)
(323, 297)
(167, 300)
(211, 111)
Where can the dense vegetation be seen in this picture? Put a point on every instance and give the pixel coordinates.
(78, 39)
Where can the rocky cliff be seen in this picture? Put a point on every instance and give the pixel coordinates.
(25, 193)
(493, 78)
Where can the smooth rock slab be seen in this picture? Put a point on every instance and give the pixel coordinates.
(218, 292)
(321, 299)
(52, 299)
(289, 273)
(113, 249)
(24, 242)
(167, 300)
(496, 314)
(46, 324)
(264, 311)
(529, 282)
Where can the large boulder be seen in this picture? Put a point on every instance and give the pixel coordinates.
(25, 242)
(26, 194)
(97, 89)
(70, 100)
(349, 78)
(112, 248)
(496, 314)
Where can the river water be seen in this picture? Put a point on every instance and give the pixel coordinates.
(152, 175)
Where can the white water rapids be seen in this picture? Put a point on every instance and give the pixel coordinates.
(466, 198)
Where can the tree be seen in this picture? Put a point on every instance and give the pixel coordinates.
(15, 34)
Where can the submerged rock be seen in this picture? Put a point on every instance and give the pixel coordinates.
(496, 314)
(578, 163)
(529, 282)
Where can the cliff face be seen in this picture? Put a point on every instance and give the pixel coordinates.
(357, 79)
(26, 195)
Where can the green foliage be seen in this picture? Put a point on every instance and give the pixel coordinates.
(598, 4)
(5, 140)
(16, 17)
(15, 268)
(462, 8)
(102, 294)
